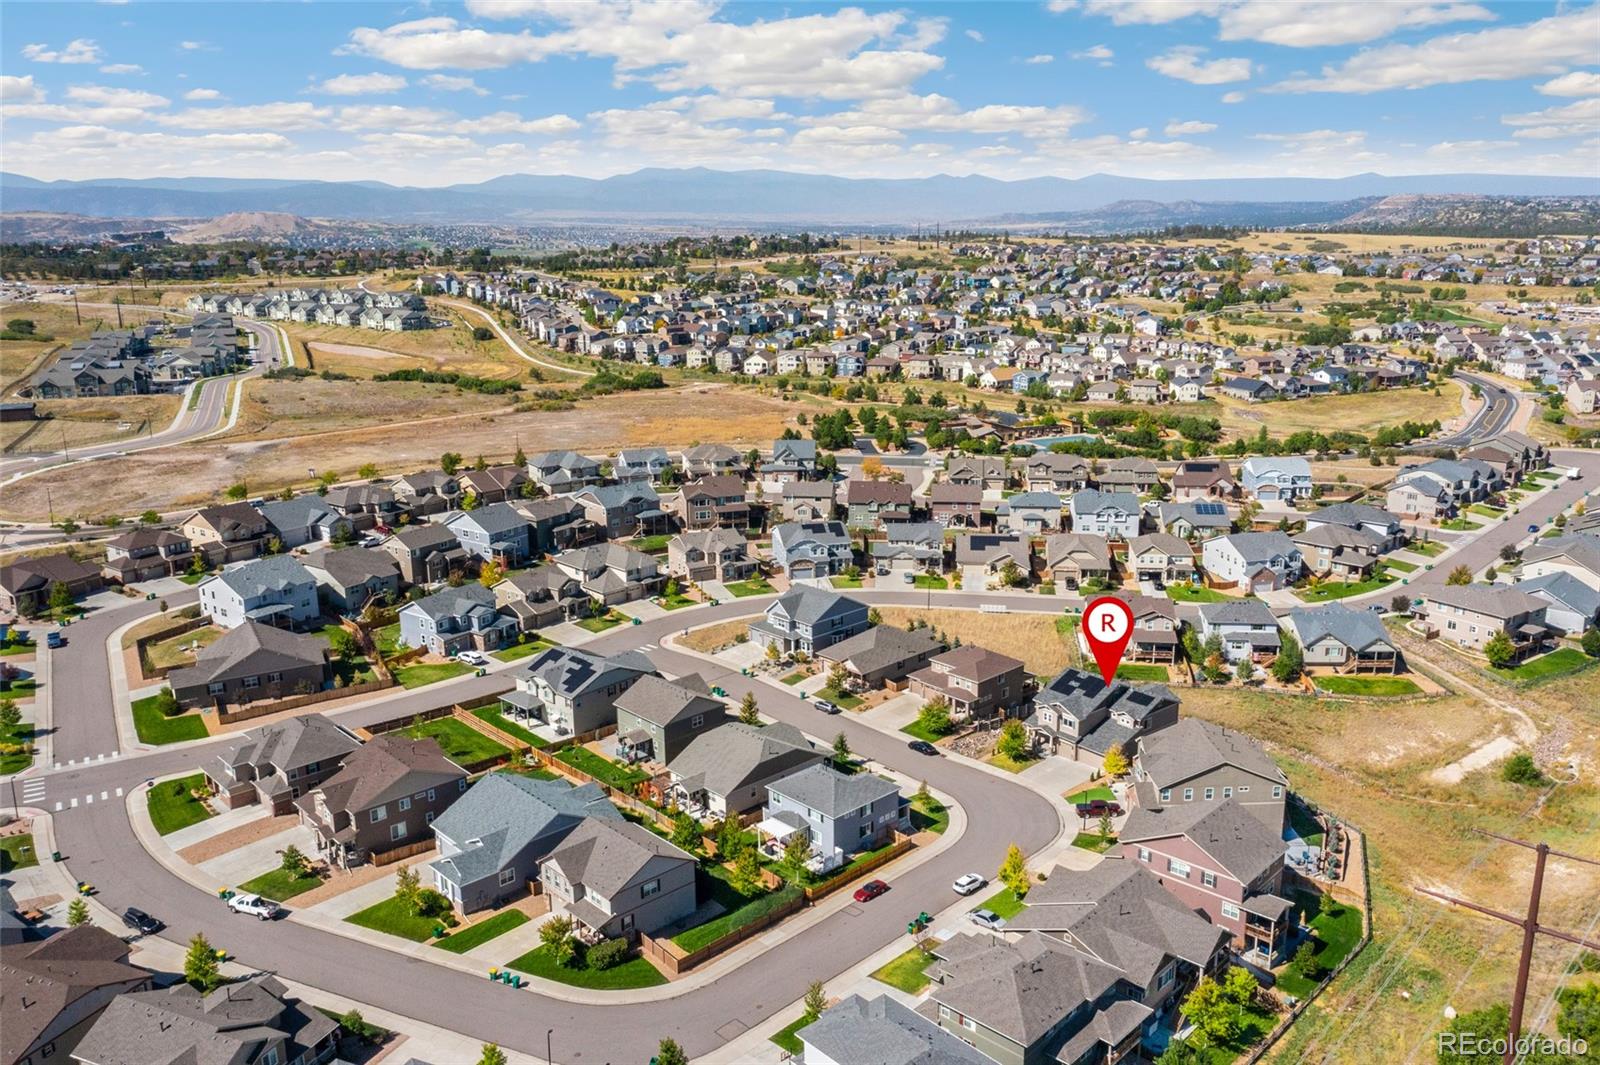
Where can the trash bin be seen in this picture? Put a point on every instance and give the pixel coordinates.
(55, 856)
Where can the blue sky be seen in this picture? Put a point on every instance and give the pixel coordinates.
(437, 93)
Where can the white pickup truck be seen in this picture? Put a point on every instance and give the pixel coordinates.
(254, 906)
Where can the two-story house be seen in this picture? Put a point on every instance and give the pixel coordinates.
(726, 770)
(226, 533)
(1246, 627)
(872, 504)
(1046, 471)
(452, 620)
(1257, 561)
(974, 681)
(618, 879)
(610, 573)
(839, 814)
(811, 549)
(1161, 559)
(563, 471)
(792, 460)
(351, 577)
(1196, 761)
(658, 718)
(1470, 615)
(955, 505)
(495, 533)
(539, 597)
(425, 554)
(630, 508)
(252, 662)
(1269, 479)
(305, 519)
(572, 690)
(648, 464)
(1114, 515)
(1030, 513)
(1082, 716)
(275, 764)
(1070, 559)
(145, 554)
(710, 555)
(712, 501)
(384, 797)
(276, 590)
(808, 619)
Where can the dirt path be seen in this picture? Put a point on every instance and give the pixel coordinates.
(318, 347)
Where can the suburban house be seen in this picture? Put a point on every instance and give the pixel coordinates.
(1339, 552)
(492, 839)
(1574, 606)
(712, 501)
(556, 524)
(808, 619)
(1360, 516)
(1196, 761)
(883, 654)
(563, 471)
(836, 1037)
(1204, 479)
(726, 770)
(1155, 628)
(1276, 480)
(1161, 559)
(839, 814)
(226, 533)
(976, 682)
(807, 501)
(1441, 487)
(351, 577)
(1135, 475)
(494, 484)
(980, 556)
(631, 508)
(704, 460)
(456, 619)
(1470, 615)
(540, 596)
(1030, 513)
(641, 464)
(497, 533)
(276, 590)
(811, 549)
(1246, 627)
(710, 555)
(574, 690)
(26, 584)
(1344, 640)
(275, 764)
(249, 1020)
(1046, 471)
(305, 519)
(988, 473)
(657, 718)
(1257, 561)
(618, 879)
(792, 460)
(611, 573)
(1082, 713)
(384, 797)
(1223, 860)
(1193, 520)
(870, 504)
(955, 505)
(426, 554)
(1576, 554)
(251, 662)
(1114, 515)
(58, 988)
(909, 547)
(145, 553)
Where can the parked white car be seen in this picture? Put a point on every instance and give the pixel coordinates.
(967, 883)
(254, 906)
(987, 919)
(473, 658)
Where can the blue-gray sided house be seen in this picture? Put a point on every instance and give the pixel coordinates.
(811, 548)
(1271, 479)
(1246, 627)
(839, 814)
(303, 520)
(1034, 513)
(572, 690)
(352, 577)
(657, 718)
(496, 532)
(1258, 561)
(1114, 515)
(628, 509)
(807, 619)
(276, 590)
(456, 619)
(563, 471)
(617, 878)
(1080, 712)
(493, 838)
(792, 460)
(1574, 606)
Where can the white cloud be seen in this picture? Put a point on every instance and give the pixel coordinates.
(116, 145)
(1139, 134)
(79, 50)
(1567, 120)
(362, 84)
(941, 114)
(1578, 83)
(202, 94)
(280, 116)
(403, 144)
(1040, 59)
(451, 83)
(1234, 97)
(1321, 23)
(1057, 7)
(1185, 64)
(122, 68)
(1343, 144)
(196, 46)
(1547, 46)
(1099, 52)
(974, 35)
(107, 96)
(19, 90)
(507, 122)
(1188, 129)
(394, 116)
(1151, 12)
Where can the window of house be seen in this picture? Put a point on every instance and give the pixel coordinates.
(1166, 794)
(252, 682)
(397, 830)
(697, 720)
(427, 818)
(1188, 794)
(214, 688)
(1230, 911)
(1211, 793)
(1144, 854)
(1227, 793)
(1243, 788)
(1277, 791)
(405, 803)
(379, 813)
(1208, 879)
(507, 876)
(651, 887)
(1177, 868)
(461, 785)
(430, 794)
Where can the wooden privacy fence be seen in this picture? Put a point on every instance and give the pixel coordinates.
(676, 960)
(142, 645)
(228, 716)
(852, 873)
(400, 854)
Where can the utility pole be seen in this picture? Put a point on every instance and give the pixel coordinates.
(76, 313)
(1529, 923)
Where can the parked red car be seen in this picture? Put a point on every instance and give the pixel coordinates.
(870, 890)
(1096, 807)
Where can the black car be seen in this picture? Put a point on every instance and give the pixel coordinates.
(923, 747)
(140, 921)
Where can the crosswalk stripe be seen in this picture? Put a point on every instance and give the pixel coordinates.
(58, 806)
(104, 796)
(88, 799)
(119, 793)
(74, 803)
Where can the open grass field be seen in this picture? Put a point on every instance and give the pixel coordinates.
(73, 423)
(1360, 413)
(55, 326)
(364, 352)
(1030, 637)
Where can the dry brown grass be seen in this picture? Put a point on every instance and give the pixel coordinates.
(1360, 413)
(1031, 637)
(426, 349)
(21, 359)
(79, 422)
(712, 637)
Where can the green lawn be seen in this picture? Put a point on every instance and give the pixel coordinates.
(1256, 1024)
(1142, 673)
(1330, 590)
(520, 650)
(397, 919)
(493, 716)
(16, 852)
(1094, 841)
(155, 727)
(1485, 510)
(788, 1038)
(843, 700)
(1401, 566)
(1426, 548)
(738, 910)
(909, 971)
(929, 815)
(1367, 685)
(1010, 765)
(172, 807)
(193, 578)
(1194, 593)
(754, 586)
(1003, 903)
(478, 934)
(929, 580)
(387, 639)
(1305, 826)
(796, 677)
(609, 620)
(676, 602)
(460, 743)
(1333, 936)
(422, 674)
(1557, 663)
(916, 729)
(651, 545)
(16, 763)
(1089, 794)
(631, 974)
(1460, 525)
(278, 885)
(18, 646)
(843, 581)
(603, 769)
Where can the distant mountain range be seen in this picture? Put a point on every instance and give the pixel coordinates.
(757, 196)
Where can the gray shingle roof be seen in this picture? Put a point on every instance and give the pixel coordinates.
(250, 650)
(1023, 989)
(881, 646)
(663, 702)
(807, 604)
(352, 565)
(1239, 841)
(275, 573)
(605, 855)
(1356, 629)
(734, 755)
(1564, 588)
(506, 813)
(825, 789)
(1192, 747)
(884, 1032)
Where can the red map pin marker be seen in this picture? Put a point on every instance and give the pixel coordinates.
(1107, 627)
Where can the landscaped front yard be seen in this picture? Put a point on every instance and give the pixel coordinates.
(621, 777)
(929, 580)
(421, 674)
(1426, 548)
(477, 935)
(21, 736)
(16, 852)
(1194, 593)
(631, 974)
(155, 727)
(917, 730)
(609, 620)
(845, 581)
(753, 586)
(460, 743)
(908, 971)
(172, 806)
(1330, 590)
(1094, 841)
(520, 650)
(929, 814)
(1003, 903)
(280, 885)
(395, 917)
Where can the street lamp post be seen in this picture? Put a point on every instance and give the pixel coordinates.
(548, 1033)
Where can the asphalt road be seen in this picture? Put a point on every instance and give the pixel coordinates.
(1500, 406)
(99, 847)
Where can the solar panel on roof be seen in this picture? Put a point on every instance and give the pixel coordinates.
(1210, 508)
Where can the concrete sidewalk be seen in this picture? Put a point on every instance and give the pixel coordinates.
(262, 856)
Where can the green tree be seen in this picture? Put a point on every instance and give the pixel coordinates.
(556, 937)
(1115, 763)
(60, 596)
(1520, 768)
(1460, 575)
(749, 712)
(1014, 871)
(342, 644)
(1212, 1011)
(838, 677)
(150, 517)
(237, 491)
(1290, 662)
(668, 1052)
(450, 462)
(367, 470)
(1591, 643)
(816, 1001)
(10, 715)
(1245, 670)
(492, 1055)
(491, 573)
(841, 750)
(408, 888)
(295, 863)
(1580, 1013)
(1013, 741)
(934, 717)
(1499, 650)
(796, 853)
(746, 874)
(200, 966)
(685, 831)
(77, 913)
